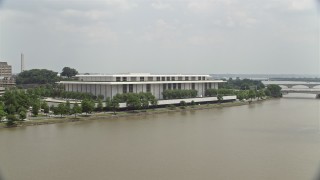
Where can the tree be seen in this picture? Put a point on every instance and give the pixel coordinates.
(108, 103)
(100, 105)
(179, 94)
(211, 92)
(115, 104)
(11, 118)
(62, 109)
(260, 94)
(100, 96)
(11, 109)
(37, 76)
(87, 106)
(45, 107)
(252, 94)
(23, 114)
(183, 103)
(76, 110)
(267, 92)
(67, 107)
(133, 101)
(2, 112)
(56, 110)
(35, 109)
(154, 102)
(220, 98)
(51, 108)
(69, 72)
(144, 99)
(241, 95)
(275, 90)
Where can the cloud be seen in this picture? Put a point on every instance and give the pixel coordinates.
(199, 6)
(122, 4)
(301, 5)
(89, 14)
(162, 31)
(159, 5)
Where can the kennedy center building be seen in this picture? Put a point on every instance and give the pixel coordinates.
(110, 85)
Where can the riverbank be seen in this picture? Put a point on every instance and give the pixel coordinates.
(109, 115)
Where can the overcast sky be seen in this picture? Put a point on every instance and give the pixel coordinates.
(162, 36)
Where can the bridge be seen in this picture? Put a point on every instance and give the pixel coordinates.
(297, 87)
(294, 90)
(308, 85)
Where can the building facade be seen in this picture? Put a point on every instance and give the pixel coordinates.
(5, 69)
(110, 85)
(6, 78)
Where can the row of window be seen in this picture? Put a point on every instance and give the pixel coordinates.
(164, 86)
(125, 87)
(118, 79)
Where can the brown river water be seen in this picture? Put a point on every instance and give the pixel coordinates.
(270, 140)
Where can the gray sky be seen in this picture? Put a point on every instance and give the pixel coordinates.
(162, 36)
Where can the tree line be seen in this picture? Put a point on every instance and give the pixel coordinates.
(57, 91)
(241, 84)
(134, 101)
(271, 90)
(44, 76)
(179, 94)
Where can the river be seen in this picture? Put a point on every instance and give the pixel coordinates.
(275, 139)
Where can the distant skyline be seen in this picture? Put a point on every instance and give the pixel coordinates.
(162, 36)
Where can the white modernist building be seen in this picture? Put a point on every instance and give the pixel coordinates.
(110, 85)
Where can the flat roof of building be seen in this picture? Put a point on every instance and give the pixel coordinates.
(139, 75)
(137, 82)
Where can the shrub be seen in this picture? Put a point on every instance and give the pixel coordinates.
(179, 94)
(183, 103)
(171, 106)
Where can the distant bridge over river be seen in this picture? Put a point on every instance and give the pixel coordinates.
(297, 87)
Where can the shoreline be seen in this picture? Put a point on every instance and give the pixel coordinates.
(119, 114)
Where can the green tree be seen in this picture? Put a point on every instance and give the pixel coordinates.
(56, 110)
(67, 107)
(133, 101)
(23, 114)
(11, 109)
(45, 107)
(267, 92)
(220, 98)
(211, 92)
(179, 94)
(182, 103)
(62, 109)
(100, 105)
(2, 112)
(87, 106)
(260, 94)
(144, 99)
(275, 90)
(108, 103)
(240, 95)
(69, 72)
(35, 109)
(76, 110)
(37, 76)
(11, 118)
(154, 102)
(115, 104)
(251, 94)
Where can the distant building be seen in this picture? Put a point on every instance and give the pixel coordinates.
(110, 85)
(6, 78)
(5, 69)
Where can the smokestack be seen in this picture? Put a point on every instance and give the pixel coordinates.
(22, 62)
